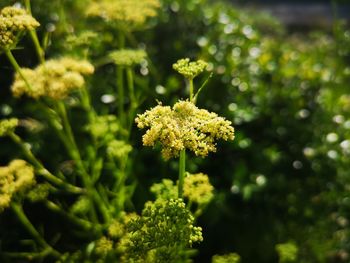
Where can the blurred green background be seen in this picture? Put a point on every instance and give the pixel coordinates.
(286, 177)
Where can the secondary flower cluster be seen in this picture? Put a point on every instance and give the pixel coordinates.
(129, 14)
(197, 189)
(13, 22)
(127, 57)
(55, 78)
(161, 232)
(228, 258)
(190, 69)
(183, 127)
(7, 126)
(15, 178)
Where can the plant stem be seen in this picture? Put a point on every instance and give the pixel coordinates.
(130, 79)
(17, 208)
(40, 167)
(77, 221)
(182, 171)
(39, 51)
(120, 80)
(77, 158)
(34, 36)
(120, 92)
(17, 68)
(190, 83)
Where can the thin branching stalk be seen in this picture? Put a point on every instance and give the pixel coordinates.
(40, 167)
(18, 210)
(191, 88)
(17, 68)
(84, 224)
(34, 36)
(182, 171)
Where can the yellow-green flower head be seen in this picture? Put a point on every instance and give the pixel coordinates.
(117, 228)
(104, 127)
(227, 258)
(127, 14)
(118, 149)
(288, 252)
(8, 126)
(55, 78)
(13, 22)
(190, 69)
(127, 57)
(15, 178)
(161, 233)
(103, 246)
(183, 127)
(198, 189)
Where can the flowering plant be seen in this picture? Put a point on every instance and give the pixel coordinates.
(91, 187)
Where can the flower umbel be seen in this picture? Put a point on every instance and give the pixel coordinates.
(14, 178)
(127, 57)
(165, 228)
(183, 127)
(55, 78)
(197, 189)
(128, 14)
(13, 22)
(7, 126)
(190, 69)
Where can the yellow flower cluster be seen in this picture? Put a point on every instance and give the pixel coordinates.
(103, 246)
(198, 189)
(190, 69)
(183, 127)
(104, 127)
(7, 126)
(14, 178)
(128, 14)
(118, 149)
(227, 258)
(14, 21)
(117, 228)
(54, 79)
(127, 57)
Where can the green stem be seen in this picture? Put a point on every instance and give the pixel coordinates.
(28, 7)
(39, 51)
(77, 158)
(40, 167)
(77, 221)
(17, 67)
(120, 80)
(182, 171)
(130, 79)
(33, 35)
(190, 83)
(17, 208)
(28, 256)
(133, 100)
(120, 92)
